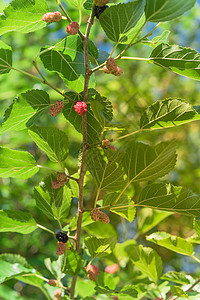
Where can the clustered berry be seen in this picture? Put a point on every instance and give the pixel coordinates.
(56, 108)
(106, 144)
(112, 68)
(52, 282)
(99, 10)
(57, 294)
(61, 179)
(101, 3)
(80, 108)
(112, 269)
(92, 272)
(61, 248)
(62, 237)
(51, 17)
(72, 28)
(98, 215)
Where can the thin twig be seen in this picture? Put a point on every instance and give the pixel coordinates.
(188, 290)
(85, 146)
(68, 17)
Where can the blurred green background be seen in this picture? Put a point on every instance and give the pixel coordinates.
(140, 85)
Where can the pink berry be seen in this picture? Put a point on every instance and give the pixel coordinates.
(92, 272)
(56, 108)
(95, 213)
(52, 282)
(115, 297)
(103, 217)
(112, 269)
(105, 69)
(80, 108)
(61, 248)
(118, 72)
(56, 184)
(51, 17)
(111, 64)
(61, 177)
(113, 147)
(101, 3)
(72, 28)
(105, 143)
(57, 294)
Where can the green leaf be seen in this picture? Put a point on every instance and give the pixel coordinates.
(177, 291)
(16, 266)
(8, 271)
(167, 197)
(119, 19)
(24, 16)
(174, 243)
(94, 129)
(168, 113)
(18, 164)
(25, 109)
(100, 230)
(163, 38)
(165, 10)
(67, 59)
(121, 205)
(55, 203)
(178, 277)
(143, 162)
(183, 61)
(106, 168)
(100, 247)
(52, 141)
(132, 291)
(129, 36)
(148, 218)
(196, 225)
(16, 221)
(146, 260)
(72, 262)
(5, 58)
(101, 107)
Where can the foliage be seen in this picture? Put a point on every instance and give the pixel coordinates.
(115, 158)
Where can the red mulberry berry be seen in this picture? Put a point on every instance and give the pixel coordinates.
(105, 143)
(101, 3)
(112, 269)
(118, 72)
(51, 17)
(95, 214)
(61, 248)
(80, 108)
(111, 64)
(72, 28)
(56, 184)
(61, 177)
(52, 282)
(113, 147)
(56, 108)
(57, 294)
(105, 69)
(92, 272)
(104, 218)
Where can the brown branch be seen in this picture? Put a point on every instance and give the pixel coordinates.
(188, 290)
(85, 146)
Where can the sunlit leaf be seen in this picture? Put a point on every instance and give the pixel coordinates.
(24, 16)
(18, 164)
(183, 61)
(171, 242)
(119, 19)
(171, 198)
(16, 221)
(165, 10)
